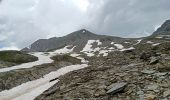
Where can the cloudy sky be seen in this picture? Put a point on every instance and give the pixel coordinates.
(24, 21)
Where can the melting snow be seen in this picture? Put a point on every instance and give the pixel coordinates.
(131, 48)
(119, 46)
(112, 42)
(88, 48)
(104, 52)
(63, 50)
(149, 42)
(30, 90)
(156, 44)
(138, 41)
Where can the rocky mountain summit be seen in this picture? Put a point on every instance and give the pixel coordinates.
(87, 66)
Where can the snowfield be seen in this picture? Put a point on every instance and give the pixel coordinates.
(32, 89)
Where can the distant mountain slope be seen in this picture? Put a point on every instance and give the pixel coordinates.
(164, 29)
(78, 39)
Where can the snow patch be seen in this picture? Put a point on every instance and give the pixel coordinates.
(149, 42)
(112, 43)
(30, 90)
(156, 44)
(64, 50)
(104, 52)
(88, 48)
(119, 46)
(138, 41)
(131, 48)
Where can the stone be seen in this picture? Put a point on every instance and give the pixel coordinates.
(152, 87)
(166, 93)
(141, 95)
(100, 92)
(160, 74)
(150, 97)
(153, 60)
(116, 87)
(148, 71)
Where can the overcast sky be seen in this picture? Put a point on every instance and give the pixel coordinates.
(24, 21)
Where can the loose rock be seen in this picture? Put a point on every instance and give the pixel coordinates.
(116, 87)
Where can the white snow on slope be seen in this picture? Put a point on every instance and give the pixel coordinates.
(112, 42)
(42, 59)
(125, 49)
(149, 42)
(119, 46)
(104, 52)
(138, 41)
(63, 50)
(88, 47)
(30, 90)
(156, 44)
(78, 57)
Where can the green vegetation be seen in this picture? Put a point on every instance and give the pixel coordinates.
(66, 58)
(16, 57)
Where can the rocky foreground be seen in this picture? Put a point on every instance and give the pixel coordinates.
(130, 75)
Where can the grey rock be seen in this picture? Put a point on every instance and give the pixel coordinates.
(152, 87)
(153, 60)
(166, 93)
(116, 87)
(148, 71)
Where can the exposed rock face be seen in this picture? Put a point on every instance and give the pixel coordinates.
(164, 29)
(78, 38)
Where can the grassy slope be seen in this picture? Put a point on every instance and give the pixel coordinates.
(16, 57)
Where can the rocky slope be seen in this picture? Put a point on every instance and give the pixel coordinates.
(78, 39)
(118, 69)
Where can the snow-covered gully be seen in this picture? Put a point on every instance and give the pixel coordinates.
(30, 90)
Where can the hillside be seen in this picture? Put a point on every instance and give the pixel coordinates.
(77, 38)
(11, 58)
(86, 66)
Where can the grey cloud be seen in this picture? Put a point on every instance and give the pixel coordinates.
(128, 18)
(25, 21)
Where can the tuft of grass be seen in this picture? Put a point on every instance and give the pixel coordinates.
(66, 58)
(17, 57)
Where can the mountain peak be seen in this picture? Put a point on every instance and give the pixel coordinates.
(82, 33)
(164, 29)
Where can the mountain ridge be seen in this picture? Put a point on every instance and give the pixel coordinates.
(74, 38)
